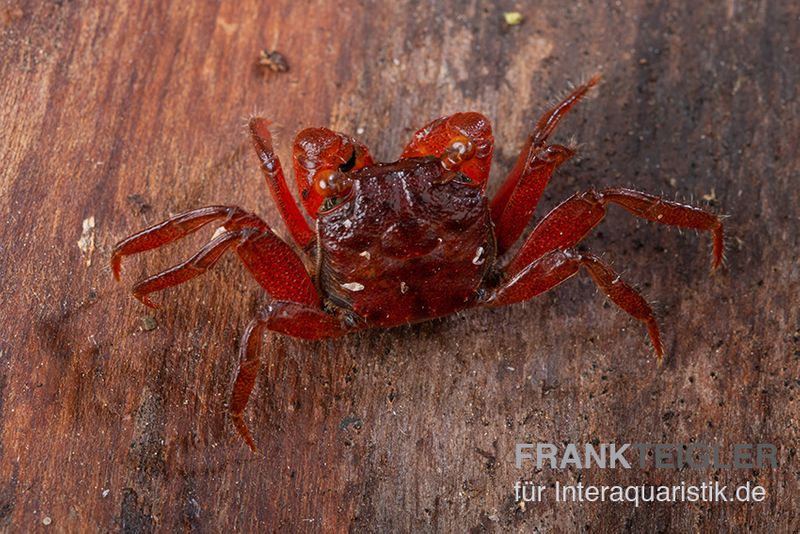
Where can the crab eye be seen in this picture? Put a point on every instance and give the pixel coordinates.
(459, 150)
(330, 183)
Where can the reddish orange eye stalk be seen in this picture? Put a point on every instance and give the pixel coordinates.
(330, 183)
(458, 151)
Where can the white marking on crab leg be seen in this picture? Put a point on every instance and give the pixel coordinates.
(403, 288)
(364, 254)
(478, 259)
(353, 286)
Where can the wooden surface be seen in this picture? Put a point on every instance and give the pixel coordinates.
(132, 111)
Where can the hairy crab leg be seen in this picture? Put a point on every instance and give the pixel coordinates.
(515, 202)
(274, 265)
(556, 266)
(572, 220)
(521, 204)
(273, 172)
(290, 318)
(172, 229)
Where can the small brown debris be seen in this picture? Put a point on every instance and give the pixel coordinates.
(274, 61)
(139, 204)
(351, 422)
(149, 323)
(711, 197)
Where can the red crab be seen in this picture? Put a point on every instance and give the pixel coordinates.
(407, 241)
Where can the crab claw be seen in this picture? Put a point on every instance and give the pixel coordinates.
(319, 154)
(462, 141)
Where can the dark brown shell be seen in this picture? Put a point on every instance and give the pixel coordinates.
(408, 244)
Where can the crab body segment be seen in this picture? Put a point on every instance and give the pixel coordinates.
(397, 243)
(408, 246)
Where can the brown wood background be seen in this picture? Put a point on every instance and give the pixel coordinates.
(132, 111)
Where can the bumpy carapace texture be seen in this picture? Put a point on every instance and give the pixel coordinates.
(407, 241)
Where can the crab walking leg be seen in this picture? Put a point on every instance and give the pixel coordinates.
(535, 145)
(519, 208)
(271, 262)
(559, 265)
(291, 318)
(273, 172)
(249, 364)
(183, 272)
(176, 228)
(573, 219)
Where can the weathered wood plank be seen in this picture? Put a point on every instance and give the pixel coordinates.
(128, 112)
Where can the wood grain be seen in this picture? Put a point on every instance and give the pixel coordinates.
(131, 111)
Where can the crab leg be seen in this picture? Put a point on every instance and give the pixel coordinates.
(557, 266)
(520, 205)
(194, 266)
(513, 206)
(573, 219)
(273, 264)
(290, 318)
(295, 312)
(273, 172)
(171, 230)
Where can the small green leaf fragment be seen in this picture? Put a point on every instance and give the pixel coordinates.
(513, 18)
